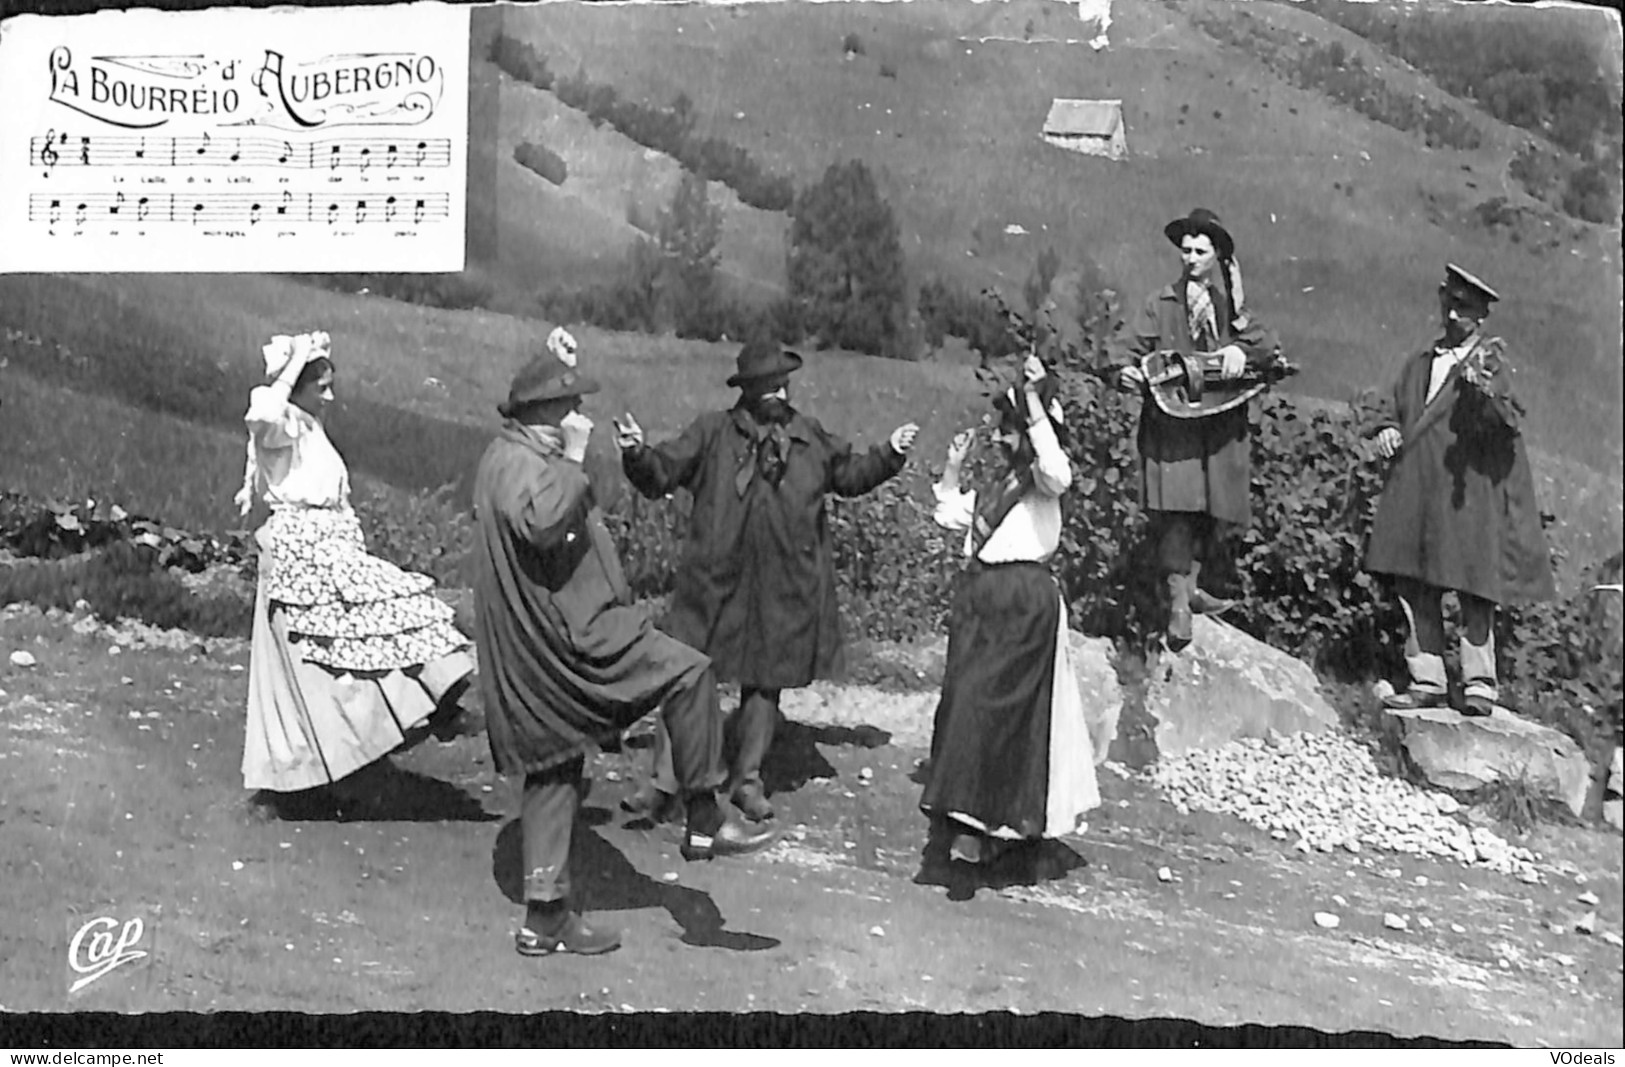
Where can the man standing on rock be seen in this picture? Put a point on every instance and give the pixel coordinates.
(1196, 472)
(756, 586)
(1458, 510)
(566, 660)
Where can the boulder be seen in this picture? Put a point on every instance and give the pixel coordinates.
(1227, 685)
(1613, 808)
(1461, 752)
(1098, 686)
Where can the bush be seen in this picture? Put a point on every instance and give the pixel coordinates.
(422, 531)
(543, 161)
(124, 581)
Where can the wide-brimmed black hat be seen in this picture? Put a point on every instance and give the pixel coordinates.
(763, 359)
(1202, 221)
(546, 377)
(1469, 286)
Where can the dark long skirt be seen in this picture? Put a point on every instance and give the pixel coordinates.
(990, 744)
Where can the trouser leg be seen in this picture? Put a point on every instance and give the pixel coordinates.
(692, 727)
(1424, 643)
(752, 730)
(663, 774)
(546, 819)
(1176, 554)
(1478, 647)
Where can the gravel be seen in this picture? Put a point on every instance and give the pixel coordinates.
(1324, 790)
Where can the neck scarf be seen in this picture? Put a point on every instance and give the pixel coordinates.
(766, 453)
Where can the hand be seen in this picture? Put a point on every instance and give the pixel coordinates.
(902, 438)
(1032, 369)
(1234, 362)
(959, 447)
(577, 428)
(1388, 442)
(1131, 379)
(628, 434)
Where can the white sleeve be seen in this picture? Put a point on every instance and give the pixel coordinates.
(270, 417)
(955, 508)
(1052, 471)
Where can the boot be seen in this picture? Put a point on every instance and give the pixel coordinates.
(1203, 603)
(710, 835)
(652, 803)
(750, 799)
(1179, 611)
(571, 934)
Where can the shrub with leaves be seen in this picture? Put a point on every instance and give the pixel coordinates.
(424, 531)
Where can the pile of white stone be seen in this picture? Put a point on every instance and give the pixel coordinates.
(1325, 790)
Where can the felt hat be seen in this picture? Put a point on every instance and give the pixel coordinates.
(550, 375)
(1463, 284)
(762, 358)
(1201, 221)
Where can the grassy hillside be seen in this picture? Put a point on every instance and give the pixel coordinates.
(1344, 224)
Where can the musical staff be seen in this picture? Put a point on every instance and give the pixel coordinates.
(241, 208)
(329, 154)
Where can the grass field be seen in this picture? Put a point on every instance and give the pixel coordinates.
(137, 382)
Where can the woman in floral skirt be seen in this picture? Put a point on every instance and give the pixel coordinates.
(352, 657)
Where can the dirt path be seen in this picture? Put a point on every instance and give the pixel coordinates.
(119, 797)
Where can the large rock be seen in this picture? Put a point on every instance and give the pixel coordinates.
(1456, 751)
(1613, 808)
(1098, 686)
(1227, 685)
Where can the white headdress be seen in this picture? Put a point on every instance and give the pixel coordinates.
(562, 345)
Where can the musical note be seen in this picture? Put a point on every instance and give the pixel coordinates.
(56, 212)
(79, 214)
(332, 214)
(423, 148)
(287, 150)
(204, 146)
(334, 158)
(141, 151)
(197, 211)
(366, 159)
(392, 152)
(361, 211)
(237, 150)
(287, 198)
(118, 202)
(84, 151)
(254, 215)
(417, 212)
(389, 206)
(141, 209)
(233, 207)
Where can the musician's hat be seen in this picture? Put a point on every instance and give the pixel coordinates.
(550, 375)
(1202, 221)
(1466, 286)
(761, 360)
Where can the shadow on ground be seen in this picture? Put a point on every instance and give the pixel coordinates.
(606, 881)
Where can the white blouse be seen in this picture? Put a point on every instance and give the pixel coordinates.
(298, 465)
(1032, 529)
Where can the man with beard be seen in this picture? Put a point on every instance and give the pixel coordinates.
(1458, 510)
(755, 589)
(1196, 473)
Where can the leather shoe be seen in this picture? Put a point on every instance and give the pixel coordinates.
(733, 838)
(1203, 603)
(1416, 699)
(574, 936)
(652, 803)
(1478, 706)
(750, 799)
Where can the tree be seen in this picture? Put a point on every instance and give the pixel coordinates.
(688, 233)
(845, 263)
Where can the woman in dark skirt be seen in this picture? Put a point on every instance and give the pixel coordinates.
(1011, 758)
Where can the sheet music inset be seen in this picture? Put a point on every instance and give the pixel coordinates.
(292, 139)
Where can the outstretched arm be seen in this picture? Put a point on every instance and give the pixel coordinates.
(854, 475)
(655, 470)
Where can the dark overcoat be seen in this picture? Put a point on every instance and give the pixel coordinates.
(1202, 465)
(566, 660)
(1458, 508)
(755, 588)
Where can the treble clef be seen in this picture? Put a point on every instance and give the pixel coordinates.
(47, 154)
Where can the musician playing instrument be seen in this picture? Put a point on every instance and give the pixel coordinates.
(1458, 510)
(1196, 466)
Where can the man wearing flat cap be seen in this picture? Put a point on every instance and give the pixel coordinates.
(566, 660)
(756, 586)
(1458, 509)
(1196, 473)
